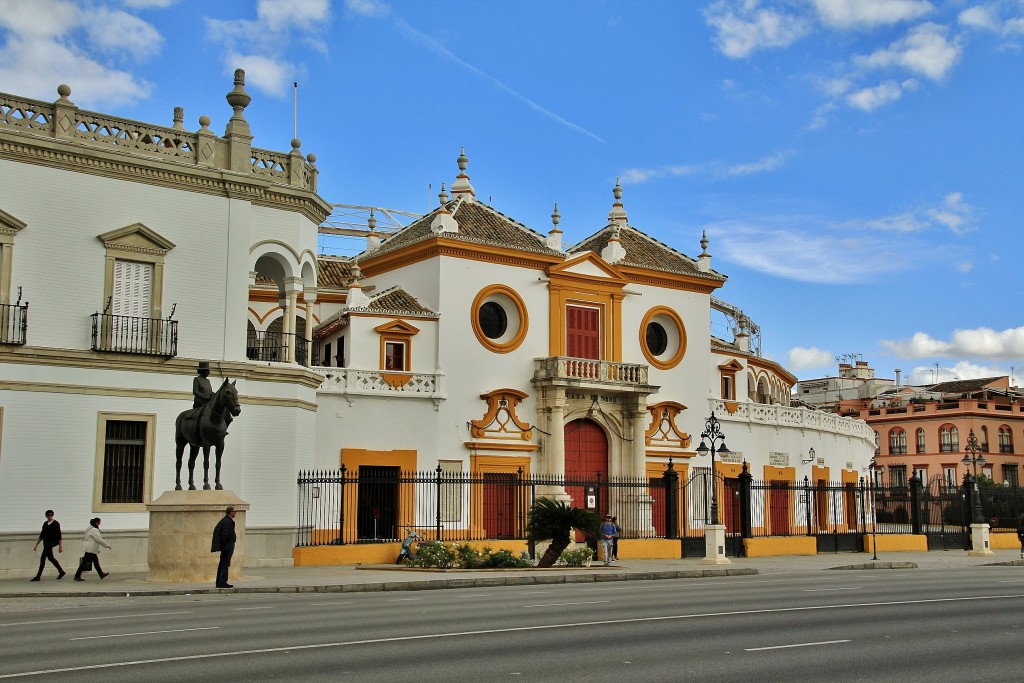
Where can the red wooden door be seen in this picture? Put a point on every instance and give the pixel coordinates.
(778, 508)
(582, 332)
(499, 505)
(731, 502)
(586, 459)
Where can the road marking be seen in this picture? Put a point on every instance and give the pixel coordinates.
(783, 647)
(404, 599)
(513, 629)
(147, 633)
(563, 604)
(473, 595)
(120, 616)
(320, 604)
(826, 590)
(241, 609)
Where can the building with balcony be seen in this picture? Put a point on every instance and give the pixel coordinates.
(466, 343)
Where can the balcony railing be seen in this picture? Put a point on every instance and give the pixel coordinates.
(272, 347)
(13, 323)
(564, 367)
(131, 334)
(353, 381)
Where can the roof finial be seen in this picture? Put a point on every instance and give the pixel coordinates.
(554, 240)
(443, 195)
(371, 222)
(556, 218)
(704, 260)
(461, 187)
(618, 213)
(704, 243)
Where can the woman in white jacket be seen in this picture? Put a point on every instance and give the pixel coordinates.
(91, 547)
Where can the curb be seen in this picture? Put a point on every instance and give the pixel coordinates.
(393, 586)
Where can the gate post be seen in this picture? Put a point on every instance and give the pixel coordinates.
(807, 499)
(671, 479)
(746, 523)
(341, 508)
(915, 504)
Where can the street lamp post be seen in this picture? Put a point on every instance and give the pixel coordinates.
(974, 456)
(713, 433)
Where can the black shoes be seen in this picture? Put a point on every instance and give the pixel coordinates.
(79, 578)
(103, 576)
(35, 578)
(226, 585)
(61, 575)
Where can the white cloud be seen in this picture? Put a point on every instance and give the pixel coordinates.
(712, 170)
(980, 16)
(278, 15)
(1014, 26)
(870, 99)
(869, 13)
(801, 358)
(45, 45)
(955, 214)
(147, 4)
(964, 267)
(982, 342)
(901, 222)
(924, 375)
(743, 27)
(925, 50)
(269, 75)
(367, 8)
(117, 32)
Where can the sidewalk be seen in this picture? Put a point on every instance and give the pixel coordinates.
(373, 578)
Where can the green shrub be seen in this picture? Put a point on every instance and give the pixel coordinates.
(467, 556)
(464, 556)
(431, 555)
(579, 556)
(504, 559)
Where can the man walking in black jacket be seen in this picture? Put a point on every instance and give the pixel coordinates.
(224, 541)
(51, 538)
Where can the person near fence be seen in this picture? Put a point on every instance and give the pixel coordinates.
(224, 542)
(91, 550)
(608, 536)
(1020, 535)
(615, 541)
(51, 538)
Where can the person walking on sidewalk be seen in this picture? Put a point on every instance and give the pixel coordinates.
(224, 541)
(1020, 536)
(50, 538)
(615, 542)
(91, 547)
(608, 535)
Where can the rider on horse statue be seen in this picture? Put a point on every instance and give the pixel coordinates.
(202, 391)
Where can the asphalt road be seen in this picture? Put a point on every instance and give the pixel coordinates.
(896, 625)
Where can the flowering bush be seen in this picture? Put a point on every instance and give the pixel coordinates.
(579, 556)
(464, 556)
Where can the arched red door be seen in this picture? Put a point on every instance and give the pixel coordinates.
(586, 460)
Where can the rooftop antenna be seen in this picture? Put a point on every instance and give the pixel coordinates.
(295, 109)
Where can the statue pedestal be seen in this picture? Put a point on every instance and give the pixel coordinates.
(980, 541)
(180, 532)
(714, 545)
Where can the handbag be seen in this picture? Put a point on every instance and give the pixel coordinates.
(86, 563)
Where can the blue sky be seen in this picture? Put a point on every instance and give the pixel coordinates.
(857, 164)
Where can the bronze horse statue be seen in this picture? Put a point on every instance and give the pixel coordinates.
(204, 427)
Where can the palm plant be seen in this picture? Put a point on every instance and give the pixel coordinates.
(555, 519)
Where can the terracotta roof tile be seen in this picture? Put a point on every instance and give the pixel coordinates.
(643, 251)
(478, 223)
(397, 300)
(334, 272)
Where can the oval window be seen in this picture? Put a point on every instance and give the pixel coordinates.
(493, 320)
(657, 338)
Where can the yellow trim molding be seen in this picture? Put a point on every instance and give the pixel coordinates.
(506, 292)
(652, 358)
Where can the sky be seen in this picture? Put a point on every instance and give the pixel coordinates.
(857, 165)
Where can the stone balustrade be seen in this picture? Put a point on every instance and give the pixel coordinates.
(589, 370)
(351, 381)
(787, 416)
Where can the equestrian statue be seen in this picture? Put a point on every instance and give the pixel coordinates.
(205, 426)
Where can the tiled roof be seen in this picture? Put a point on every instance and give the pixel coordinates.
(397, 300)
(643, 251)
(478, 223)
(335, 273)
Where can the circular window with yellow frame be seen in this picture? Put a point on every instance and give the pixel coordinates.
(663, 337)
(499, 318)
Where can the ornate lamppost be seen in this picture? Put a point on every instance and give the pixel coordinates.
(713, 433)
(973, 456)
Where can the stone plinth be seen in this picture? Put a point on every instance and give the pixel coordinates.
(980, 541)
(180, 532)
(714, 545)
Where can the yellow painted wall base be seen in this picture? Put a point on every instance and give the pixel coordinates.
(649, 549)
(374, 553)
(1003, 541)
(780, 545)
(891, 543)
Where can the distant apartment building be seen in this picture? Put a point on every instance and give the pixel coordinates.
(925, 431)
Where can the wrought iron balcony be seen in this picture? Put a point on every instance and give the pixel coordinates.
(272, 347)
(576, 370)
(132, 334)
(13, 323)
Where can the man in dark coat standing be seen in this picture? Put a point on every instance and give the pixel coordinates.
(224, 541)
(51, 538)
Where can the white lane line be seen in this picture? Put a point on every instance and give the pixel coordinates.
(563, 604)
(473, 595)
(783, 647)
(320, 604)
(119, 616)
(513, 629)
(535, 592)
(242, 609)
(826, 590)
(404, 599)
(147, 633)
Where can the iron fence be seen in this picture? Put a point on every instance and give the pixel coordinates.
(272, 347)
(13, 323)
